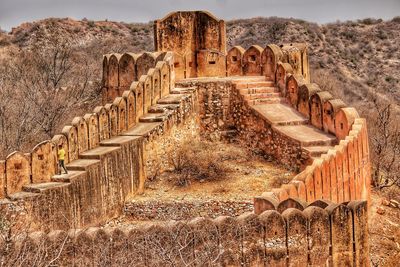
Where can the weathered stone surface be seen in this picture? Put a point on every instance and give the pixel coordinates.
(18, 171)
(296, 224)
(43, 162)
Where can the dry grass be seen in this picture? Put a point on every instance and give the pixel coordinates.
(201, 160)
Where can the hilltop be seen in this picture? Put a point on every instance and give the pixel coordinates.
(362, 55)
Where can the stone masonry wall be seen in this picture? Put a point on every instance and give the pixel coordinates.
(290, 234)
(224, 114)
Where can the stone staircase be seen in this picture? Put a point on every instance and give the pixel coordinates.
(265, 98)
(161, 111)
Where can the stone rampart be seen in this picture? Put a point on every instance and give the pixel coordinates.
(285, 233)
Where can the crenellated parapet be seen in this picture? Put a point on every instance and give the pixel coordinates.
(121, 70)
(280, 233)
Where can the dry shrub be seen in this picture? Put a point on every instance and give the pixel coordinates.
(198, 161)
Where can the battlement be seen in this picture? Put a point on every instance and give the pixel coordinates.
(263, 96)
(291, 233)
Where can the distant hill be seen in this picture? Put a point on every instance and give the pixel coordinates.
(359, 57)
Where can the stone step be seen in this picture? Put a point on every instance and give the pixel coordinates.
(316, 151)
(172, 99)
(243, 85)
(307, 135)
(183, 90)
(263, 101)
(280, 114)
(143, 129)
(22, 196)
(42, 187)
(118, 141)
(260, 96)
(257, 90)
(239, 79)
(160, 108)
(98, 152)
(81, 164)
(68, 177)
(154, 117)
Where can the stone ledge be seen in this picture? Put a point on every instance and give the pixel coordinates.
(183, 210)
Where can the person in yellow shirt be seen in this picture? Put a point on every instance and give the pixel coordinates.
(61, 157)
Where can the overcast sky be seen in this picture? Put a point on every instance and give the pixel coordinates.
(14, 12)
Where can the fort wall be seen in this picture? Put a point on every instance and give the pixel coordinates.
(319, 218)
(288, 233)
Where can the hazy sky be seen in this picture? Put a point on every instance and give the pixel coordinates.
(14, 12)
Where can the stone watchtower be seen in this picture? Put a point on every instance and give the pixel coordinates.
(198, 40)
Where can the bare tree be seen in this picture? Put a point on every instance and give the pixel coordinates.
(385, 142)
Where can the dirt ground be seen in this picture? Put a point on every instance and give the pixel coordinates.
(248, 175)
(384, 229)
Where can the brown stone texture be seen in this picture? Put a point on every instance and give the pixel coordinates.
(317, 174)
(330, 108)
(104, 120)
(43, 162)
(119, 246)
(318, 235)
(296, 224)
(360, 224)
(263, 203)
(92, 122)
(282, 71)
(339, 173)
(18, 171)
(156, 85)
(309, 182)
(211, 63)
(270, 57)
(113, 77)
(305, 92)
(147, 88)
(130, 100)
(71, 134)
(112, 111)
(186, 33)
(334, 179)
(341, 234)
(252, 61)
(352, 166)
(2, 179)
(344, 119)
(137, 89)
(296, 55)
(274, 238)
(127, 70)
(164, 78)
(205, 241)
(105, 70)
(122, 117)
(290, 203)
(229, 247)
(145, 62)
(293, 82)
(82, 129)
(317, 101)
(252, 239)
(234, 60)
(326, 177)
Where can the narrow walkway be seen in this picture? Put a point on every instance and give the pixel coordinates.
(266, 100)
(148, 123)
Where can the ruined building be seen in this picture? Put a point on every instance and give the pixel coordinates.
(263, 94)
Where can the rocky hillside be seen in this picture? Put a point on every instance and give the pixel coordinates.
(361, 56)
